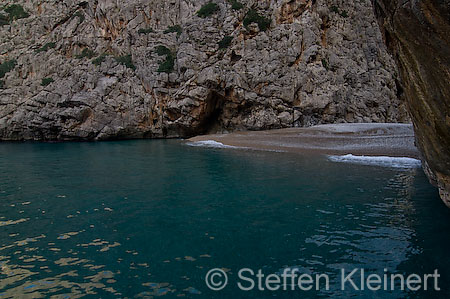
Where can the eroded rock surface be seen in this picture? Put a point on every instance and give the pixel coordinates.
(418, 34)
(319, 62)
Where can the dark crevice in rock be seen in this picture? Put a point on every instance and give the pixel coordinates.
(212, 114)
(235, 57)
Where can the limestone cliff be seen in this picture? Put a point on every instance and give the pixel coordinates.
(101, 69)
(418, 34)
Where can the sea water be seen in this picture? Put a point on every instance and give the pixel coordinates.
(140, 219)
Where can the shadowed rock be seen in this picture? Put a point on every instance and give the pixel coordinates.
(418, 35)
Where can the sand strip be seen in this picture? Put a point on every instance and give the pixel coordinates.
(394, 140)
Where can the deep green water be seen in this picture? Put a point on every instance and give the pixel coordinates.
(149, 218)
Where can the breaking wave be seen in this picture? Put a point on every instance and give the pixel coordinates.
(209, 143)
(395, 162)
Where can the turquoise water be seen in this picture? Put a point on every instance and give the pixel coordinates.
(136, 219)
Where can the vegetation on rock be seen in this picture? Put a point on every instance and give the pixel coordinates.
(86, 53)
(208, 9)
(99, 60)
(253, 17)
(14, 12)
(325, 64)
(4, 20)
(145, 30)
(45, 47)
(127, 61)
(174, 28)
(336, 10)
(167, 66)
(46, 81)
(236, 5)
(225, 42)
(211, 52)
(7, 66)
(161, 50)
(80, 15)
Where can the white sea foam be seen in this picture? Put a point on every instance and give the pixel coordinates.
(395, 162)
(209, 143)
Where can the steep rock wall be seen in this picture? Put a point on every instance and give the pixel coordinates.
(418, 34)
(319, 61)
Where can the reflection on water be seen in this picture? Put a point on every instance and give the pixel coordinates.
(140, 219)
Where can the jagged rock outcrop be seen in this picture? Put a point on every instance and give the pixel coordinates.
(162, 71)
(418, 34)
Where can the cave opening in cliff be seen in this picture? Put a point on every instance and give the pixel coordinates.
(213, 110)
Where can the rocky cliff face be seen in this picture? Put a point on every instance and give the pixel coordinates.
(418, 34)
(103, 69)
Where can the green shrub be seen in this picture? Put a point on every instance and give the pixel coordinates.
(174, 28)
(161, 51)
(208, 9)
(225, 42)
(80, 15)
(4, 20)
(7, 66)
(45, 47)
(253, 17)
(126, 60)
(46, 81)
(325, 64)
(236, 5)
(86, 53)
(167, 66)
(16, 12)
(99, 60)
(145, 31)
(336, 10)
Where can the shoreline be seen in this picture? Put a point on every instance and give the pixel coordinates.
(362, 139)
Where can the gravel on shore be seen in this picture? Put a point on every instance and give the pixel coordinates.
(386, 139)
